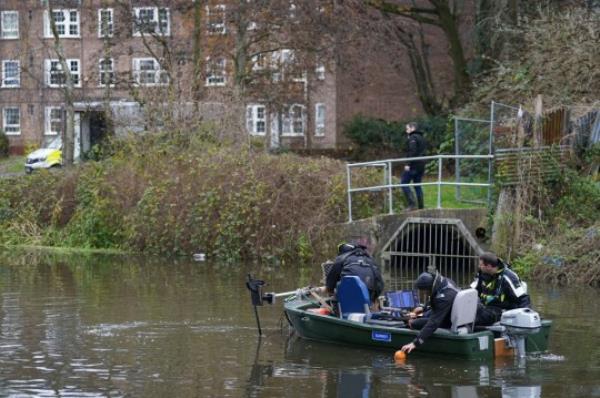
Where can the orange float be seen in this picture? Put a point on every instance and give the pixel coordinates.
(400, 356)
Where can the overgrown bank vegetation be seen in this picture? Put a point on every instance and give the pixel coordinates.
(178, 194)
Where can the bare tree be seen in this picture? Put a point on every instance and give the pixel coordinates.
(442, 14)
(68, 87)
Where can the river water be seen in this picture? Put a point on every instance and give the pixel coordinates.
(100, 326)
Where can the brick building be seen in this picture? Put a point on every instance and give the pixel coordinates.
(126, 61)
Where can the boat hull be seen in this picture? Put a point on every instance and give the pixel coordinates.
(472, 346)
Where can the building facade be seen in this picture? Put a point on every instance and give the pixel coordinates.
(140, 64)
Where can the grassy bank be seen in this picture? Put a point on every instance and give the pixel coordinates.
(12, 165)
(171, 195)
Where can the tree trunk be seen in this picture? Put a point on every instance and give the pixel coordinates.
(68, 133)
(462, 81)
(197, 55)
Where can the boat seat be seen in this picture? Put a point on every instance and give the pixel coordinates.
(464, 310)
(352, 296)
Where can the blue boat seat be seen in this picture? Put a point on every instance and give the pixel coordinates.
(352, 296)
(464, 310)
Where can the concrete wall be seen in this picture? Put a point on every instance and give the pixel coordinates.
(376, 231)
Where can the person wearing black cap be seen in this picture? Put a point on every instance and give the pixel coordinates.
(499, 289)
(353, 259)
(442, 292)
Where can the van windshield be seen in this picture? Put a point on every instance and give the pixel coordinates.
(55, 143)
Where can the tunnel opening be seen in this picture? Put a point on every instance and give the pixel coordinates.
(428, 244)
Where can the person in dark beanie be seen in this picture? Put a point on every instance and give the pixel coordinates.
(499, 289)
(442, 292)
(414, 170)
(353, 259)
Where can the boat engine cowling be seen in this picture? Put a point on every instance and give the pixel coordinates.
(519, 323)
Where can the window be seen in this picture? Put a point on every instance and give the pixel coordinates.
(66, 22)
(11, 74)
(215, 72)
(319, 119)
(54, 121)
(256, 121)
(215, 15)
(151, 20)
(320, 72)
(55, 77)
(9, 24)
(107, 72)
(259, 62)
(293, 120)
(11, 121)
(284, 65)
(148, 72)
(105, 22)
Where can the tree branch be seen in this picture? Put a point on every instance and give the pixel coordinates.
(414, 13)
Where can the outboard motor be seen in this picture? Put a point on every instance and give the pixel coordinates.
(519, 323)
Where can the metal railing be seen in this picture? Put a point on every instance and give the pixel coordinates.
(389, 185)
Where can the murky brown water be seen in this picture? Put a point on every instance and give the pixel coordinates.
(111, 326)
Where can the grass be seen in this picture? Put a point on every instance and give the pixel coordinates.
(12, 164)
(66, 250)
(468, 197)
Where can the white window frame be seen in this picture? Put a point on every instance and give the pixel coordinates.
(259, 62)
(156, 20)
(216, 27)
(103, 72)
(17, 79)
(159, 76)
(6, 126)
(253, 120)
(320, 119)
(5, 33)
(110, 24)
(67, 23)
(320, 72)
(48, 120)
(212, 78)
(75, 75)
(282, 63)
(289, 121)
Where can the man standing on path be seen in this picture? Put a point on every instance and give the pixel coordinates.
(414, 170)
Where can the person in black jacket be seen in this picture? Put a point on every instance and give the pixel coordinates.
(353, 259)
(442, 292)
(499, 289)
(414, 170)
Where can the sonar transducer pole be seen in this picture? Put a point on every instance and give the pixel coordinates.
(255, 287)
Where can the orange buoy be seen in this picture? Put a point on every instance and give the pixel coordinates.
(400, 356)
(320, 311)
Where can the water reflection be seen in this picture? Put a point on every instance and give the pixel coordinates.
(360, 374)
(142, 326)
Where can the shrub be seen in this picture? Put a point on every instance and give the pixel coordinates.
(377, 138)
(232, 203)
(3, 144)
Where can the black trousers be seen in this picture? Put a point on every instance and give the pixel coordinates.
(419, 323)
(487, 315)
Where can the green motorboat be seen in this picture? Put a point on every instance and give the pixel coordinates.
(311, 318)
(481, 345)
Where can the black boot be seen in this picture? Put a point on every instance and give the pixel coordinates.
(420, 201)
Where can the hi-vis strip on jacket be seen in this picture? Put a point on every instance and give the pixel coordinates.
(504, 290)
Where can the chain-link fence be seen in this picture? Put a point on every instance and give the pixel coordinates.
(472, 137)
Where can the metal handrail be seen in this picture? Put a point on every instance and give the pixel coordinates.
(390, 186)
